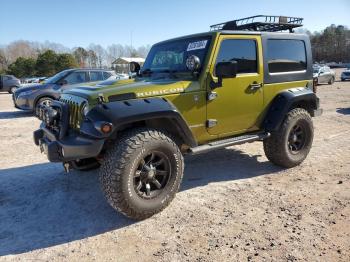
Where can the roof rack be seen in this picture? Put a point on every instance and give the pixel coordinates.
(267, 23)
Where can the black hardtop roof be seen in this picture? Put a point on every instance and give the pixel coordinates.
(237, 32)
(95, 69)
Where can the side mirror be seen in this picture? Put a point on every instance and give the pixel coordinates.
(224, 70)
(63, 82)
(134, 67)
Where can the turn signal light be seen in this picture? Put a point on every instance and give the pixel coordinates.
(106, 128)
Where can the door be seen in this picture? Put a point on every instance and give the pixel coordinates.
(239, 101)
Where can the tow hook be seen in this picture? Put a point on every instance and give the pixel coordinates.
(66, 167)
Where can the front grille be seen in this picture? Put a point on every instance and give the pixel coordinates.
(75, 109)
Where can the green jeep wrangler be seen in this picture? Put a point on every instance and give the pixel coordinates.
(245, 80)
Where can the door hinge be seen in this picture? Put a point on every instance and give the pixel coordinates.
(211, 123)
(211, 96)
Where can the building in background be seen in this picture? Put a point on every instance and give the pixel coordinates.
(122, 64)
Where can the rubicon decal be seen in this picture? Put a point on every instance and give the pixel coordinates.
(160, 92)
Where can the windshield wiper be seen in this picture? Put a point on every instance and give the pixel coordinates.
(170, 72)
(147, 72)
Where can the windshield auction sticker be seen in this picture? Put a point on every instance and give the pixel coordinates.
(197, 45)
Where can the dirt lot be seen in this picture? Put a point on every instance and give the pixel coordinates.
(233, 205)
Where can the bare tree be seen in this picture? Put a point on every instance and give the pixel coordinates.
(20, 49)
(100, 54)
(92, 58)
(142, 51)
(80, 55)
(114, 51)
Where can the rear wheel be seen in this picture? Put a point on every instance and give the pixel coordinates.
(12, 90)
(142, 172)
(290, 145)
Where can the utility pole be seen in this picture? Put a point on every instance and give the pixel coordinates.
(131, 42)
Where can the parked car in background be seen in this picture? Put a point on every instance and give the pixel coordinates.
(123, 76)
(323, 75)
(9, 83)
(30, 97)
(345, 75)
(33, 79)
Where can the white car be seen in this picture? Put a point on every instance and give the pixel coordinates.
(323, 75)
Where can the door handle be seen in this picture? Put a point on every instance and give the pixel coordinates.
(255, 86)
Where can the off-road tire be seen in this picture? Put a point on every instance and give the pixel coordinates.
(276, 147)
(331, 81)
(121, 162)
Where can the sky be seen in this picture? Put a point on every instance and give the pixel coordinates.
(81, 22)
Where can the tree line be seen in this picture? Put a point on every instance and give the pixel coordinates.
(331, 45)
(24, 58)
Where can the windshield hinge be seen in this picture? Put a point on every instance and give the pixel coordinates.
(211, 123)
(101, 99)
(211, 96)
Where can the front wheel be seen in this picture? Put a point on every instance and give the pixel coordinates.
(331, 81)
(44, 101)
(142, 172)
(290, 145)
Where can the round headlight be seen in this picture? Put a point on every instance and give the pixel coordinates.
(193, 63)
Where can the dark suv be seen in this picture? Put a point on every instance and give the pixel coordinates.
(9, 83)
(30, 97)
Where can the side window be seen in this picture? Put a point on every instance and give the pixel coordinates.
(241, 50)
(96, 76)
(106, 75)
(76, 78)
(286, 55)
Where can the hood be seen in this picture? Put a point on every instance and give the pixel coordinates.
(32, 87)
(134, 88)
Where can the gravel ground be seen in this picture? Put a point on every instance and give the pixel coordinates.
(234, 205)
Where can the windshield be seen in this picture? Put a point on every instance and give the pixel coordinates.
(171, 56)
(55, 78)
(316, 70)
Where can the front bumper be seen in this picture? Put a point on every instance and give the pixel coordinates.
(23, 103)
(69, 148)
(58, 141)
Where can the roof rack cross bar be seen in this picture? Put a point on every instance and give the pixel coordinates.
(266, 23)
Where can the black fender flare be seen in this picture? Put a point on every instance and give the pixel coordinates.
(287, 100)
(127, 112)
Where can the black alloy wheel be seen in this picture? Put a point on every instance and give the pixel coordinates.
(296, 140)
(152, 175)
